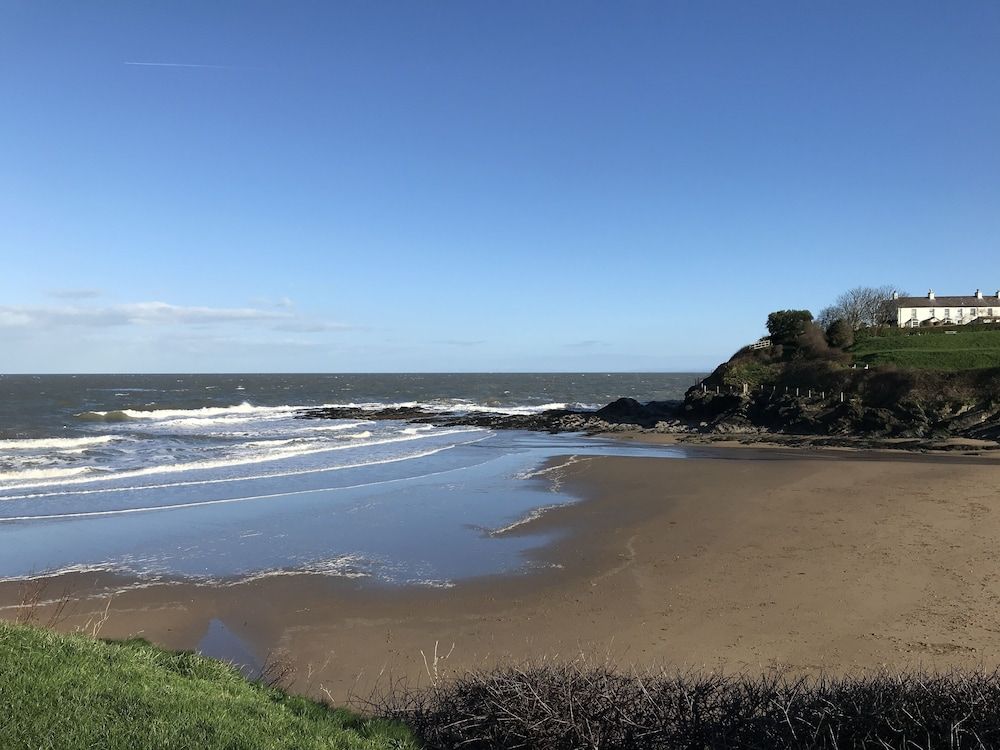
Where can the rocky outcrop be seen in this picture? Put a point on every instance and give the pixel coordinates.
(908, 417)
(923, 415)
(623, 414)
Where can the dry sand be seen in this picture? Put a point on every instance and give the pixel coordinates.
(742, 560)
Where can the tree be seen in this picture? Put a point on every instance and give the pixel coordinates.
(861, 307)
(840, 334)
(787, 325)
(827, 317)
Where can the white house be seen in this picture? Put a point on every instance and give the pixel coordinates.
(932, 310)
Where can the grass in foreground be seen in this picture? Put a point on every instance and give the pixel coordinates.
(69, 692)
(571, 706)
(59, 691)
(963, 350)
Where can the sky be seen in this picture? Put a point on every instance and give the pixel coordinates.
(463, 185)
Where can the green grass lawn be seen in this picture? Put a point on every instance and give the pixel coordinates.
(59, 691)
(964, 350)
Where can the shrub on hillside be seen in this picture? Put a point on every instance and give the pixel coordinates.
(785, 326)
(753, 372)
(840, 334)
(812, 344)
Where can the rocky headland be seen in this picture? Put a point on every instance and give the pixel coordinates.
(625, 414)
(868, 409)
(799, 385)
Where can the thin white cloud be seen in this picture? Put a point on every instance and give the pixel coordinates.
(146, 64)
(200, 344)
(75, 293)
(310, 326)
(461, 342)
(13, 319)
(286, 303)
(162, 312)
(149, 313)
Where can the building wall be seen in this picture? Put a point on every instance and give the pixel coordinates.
(915, 316)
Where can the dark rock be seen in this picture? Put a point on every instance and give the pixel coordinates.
(624, 414)
(815, 420)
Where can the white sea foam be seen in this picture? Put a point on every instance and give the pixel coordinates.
(432, 583)
(200, 423)
(48, 473)
(58, 444)
(246, 409)
(268, 496)
(344, 566)
(525, 409)
(460, 406)
(222, 480)
(65, 570)
(534, 515)
(335, 427)
(278, 442)
(556, 472)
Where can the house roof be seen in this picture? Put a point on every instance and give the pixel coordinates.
(969, 301)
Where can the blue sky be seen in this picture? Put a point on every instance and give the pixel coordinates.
(451, 186)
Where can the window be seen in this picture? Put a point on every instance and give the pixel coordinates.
(989, 313)
(913, 314)
(932, 312)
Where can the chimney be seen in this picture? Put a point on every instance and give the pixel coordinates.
(930, 294)
(895, 295)
(979, 294)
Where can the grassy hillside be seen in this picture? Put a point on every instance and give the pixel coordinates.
(964, 350)
(59, 691)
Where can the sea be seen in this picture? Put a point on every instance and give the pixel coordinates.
(215, 479)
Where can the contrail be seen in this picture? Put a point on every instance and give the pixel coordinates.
(181, 65)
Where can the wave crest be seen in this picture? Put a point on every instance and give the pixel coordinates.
(59, 444)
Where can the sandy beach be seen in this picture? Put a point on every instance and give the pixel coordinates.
(739, 559)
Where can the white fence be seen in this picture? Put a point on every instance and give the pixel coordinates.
(809, 393)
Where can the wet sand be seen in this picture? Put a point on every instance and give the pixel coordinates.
(738, 561)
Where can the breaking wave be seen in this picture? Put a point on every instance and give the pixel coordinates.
(57, 444)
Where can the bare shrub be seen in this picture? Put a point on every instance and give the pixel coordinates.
(861, 307)
(33, 604)
(579, 706)
(276, 671)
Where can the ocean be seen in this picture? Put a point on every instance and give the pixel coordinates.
(212, 478)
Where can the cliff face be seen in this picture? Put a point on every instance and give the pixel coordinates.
(875, 403)
(788, 414)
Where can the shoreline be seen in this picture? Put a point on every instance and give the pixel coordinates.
(695, 420)
(771, 440)
(812, 562)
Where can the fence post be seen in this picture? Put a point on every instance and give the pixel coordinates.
(841, 397)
